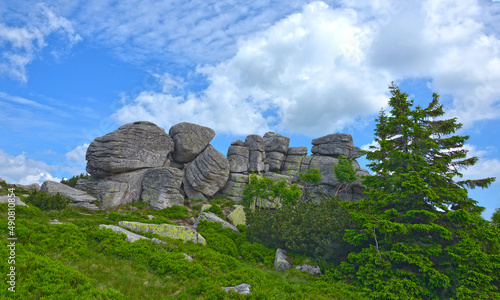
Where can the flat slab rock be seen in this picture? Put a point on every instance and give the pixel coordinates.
(131, 237)
(176, 232)
(77, 197)
(210, 217)
(243, 288)
(313, 270)
(7, 199)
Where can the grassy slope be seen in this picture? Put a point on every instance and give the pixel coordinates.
(77, 260)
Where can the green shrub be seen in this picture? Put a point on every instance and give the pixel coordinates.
(72, 181)
(174, 212)
(315, 230)
(45, 201)
(215, 209)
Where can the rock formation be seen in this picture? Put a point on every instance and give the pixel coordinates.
(140, 162)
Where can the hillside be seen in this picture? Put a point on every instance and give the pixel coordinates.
(77, 260)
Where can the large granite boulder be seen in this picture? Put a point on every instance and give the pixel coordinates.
(209, 172)
(115, 190)
(210, 217)
(176, 232)
(76, 197)
(276, 143)
(133, 146)
(235, 186)
(335, 144)
(255, 143)
(238, 156)
(161, 187)
(190, 140)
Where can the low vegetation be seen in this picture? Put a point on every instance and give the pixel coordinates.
(416, 235)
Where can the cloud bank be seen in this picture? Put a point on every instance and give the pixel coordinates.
(20, 45)
(324, 69)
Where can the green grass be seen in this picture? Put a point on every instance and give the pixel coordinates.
(77, 260)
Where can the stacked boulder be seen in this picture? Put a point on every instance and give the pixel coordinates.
(271, 156)
(141, 162)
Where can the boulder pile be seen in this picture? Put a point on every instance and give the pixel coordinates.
(141, 162)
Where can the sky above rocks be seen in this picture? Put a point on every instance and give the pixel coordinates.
(71, 71)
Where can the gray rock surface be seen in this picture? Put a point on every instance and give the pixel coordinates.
(235, 186)
(335, 144)
(274, 161)
(131, 237)
(210, 217)
(281, 260)
(33, 186)
(17, 201)
(313, 270)
(209, 172)
(117, 189)
(301, 151)
(161, 187)
(238, 157)
(276, 143)
(190, 140)
(176, 232)
(255, 143)
(77, 197)
(190, 192)
(243, 288)
(132, 146)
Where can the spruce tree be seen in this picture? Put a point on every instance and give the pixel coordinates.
(419, 227)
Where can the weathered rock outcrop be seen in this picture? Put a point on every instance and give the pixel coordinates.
(161, 187)
(190, 140)
(77, 197)
(139, 161)
(335, 144)
(238, 156)
(171, 231)
(255, 144)
(131, 147)
(33, 186)
(209, 172)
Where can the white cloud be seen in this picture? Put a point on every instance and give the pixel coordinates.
(485, 167)
(19, 169)
(366, 147)
(78, 154)
(21, 45)
(305, 74)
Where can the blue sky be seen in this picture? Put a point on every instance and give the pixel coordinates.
(71, 71)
